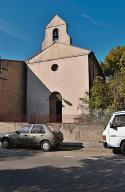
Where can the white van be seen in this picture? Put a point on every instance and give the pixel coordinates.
(114, 134)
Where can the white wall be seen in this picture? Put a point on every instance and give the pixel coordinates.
(37, 95)
(71, 80)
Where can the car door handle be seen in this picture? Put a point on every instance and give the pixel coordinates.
(26, 135)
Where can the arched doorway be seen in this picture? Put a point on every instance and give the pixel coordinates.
(55, 107)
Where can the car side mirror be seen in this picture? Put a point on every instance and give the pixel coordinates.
(113, 125)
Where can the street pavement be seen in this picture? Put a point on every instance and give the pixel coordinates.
(71, 168)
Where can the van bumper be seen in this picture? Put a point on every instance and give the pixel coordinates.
(105, 145)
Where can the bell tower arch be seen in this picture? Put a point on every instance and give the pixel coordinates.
(56, 30)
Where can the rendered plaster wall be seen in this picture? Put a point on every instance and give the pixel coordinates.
(71, 80)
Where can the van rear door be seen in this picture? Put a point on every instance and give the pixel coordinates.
(117, 130)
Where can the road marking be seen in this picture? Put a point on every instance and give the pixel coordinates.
(69, 156)
(45, 154)
(93, 158)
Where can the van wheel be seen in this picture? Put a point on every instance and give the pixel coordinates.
(117, 151)
(45, 146)
(6, 144)
(123, 148)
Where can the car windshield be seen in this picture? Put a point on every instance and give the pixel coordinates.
(24, 129)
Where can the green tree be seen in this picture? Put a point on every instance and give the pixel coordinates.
(109, 93)
(114, 61)
(117, 90)
(98, 97)
(99, 94)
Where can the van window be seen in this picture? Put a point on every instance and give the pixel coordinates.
(119, 120)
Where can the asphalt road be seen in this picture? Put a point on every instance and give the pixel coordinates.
(69, 169)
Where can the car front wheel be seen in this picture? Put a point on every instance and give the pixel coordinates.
(45, 146)
(123, 148)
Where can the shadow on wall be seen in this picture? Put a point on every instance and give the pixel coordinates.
(37, 95)
(67, 102)
(97, 174)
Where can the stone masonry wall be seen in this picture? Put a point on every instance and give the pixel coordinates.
(71, 132)
(13, 89)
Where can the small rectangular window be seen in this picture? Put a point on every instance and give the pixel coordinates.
(119, 120)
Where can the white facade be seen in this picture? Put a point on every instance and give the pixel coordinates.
(70, 77)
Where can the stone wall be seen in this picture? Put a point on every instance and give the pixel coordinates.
(72, 132)
(81, 132)
(13, 89)
(9, 127)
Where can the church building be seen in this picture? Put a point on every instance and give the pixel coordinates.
(59, 75)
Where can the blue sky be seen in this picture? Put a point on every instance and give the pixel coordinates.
(98, 25)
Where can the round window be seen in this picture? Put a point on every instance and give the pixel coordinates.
(54, 67)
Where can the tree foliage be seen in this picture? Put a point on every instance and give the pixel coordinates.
(114, 61)
(99, 94)
(117, 90)
(109, 93)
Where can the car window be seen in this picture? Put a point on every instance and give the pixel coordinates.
(37, 129)
(119, 120)
(25, 129)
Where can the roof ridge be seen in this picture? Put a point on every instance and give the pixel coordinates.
(39, 52)
(58, 17)
(56, 42)
(74, 46)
